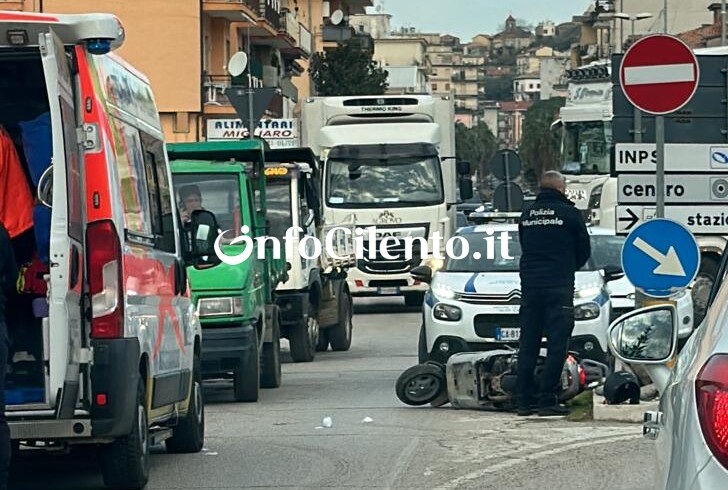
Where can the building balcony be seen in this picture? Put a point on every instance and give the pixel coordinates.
(300, 39)
(338, 34)
(214, 86)
(231, 9)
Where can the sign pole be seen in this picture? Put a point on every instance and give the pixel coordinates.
(508, 182)
(660, 172)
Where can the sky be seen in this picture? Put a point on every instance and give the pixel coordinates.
(466, 18)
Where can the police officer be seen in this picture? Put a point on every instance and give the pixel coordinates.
(555, 244)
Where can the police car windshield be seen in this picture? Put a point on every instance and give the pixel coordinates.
(606, 250)
(490, 257)
(384, 183)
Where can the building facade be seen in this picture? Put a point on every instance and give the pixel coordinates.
(186, 56)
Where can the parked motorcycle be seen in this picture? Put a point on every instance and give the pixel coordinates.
(487, 380)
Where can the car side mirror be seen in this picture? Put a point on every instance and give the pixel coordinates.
(463, 167)
(612, 273)
(204, 232)
(645, 336)
(466, 188)
(422, 273)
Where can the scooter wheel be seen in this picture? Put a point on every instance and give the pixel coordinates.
(421, 384)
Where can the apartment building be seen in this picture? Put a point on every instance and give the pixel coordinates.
(406, 62)
(183, 46)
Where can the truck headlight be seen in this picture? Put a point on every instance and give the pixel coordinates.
(224, 306)
(587, 311)
(447, 313)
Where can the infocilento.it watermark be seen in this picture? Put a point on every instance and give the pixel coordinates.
(337, 240)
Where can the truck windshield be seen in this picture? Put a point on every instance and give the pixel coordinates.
(586, 147)
(217, 193)
(397, 182)
(278, 195)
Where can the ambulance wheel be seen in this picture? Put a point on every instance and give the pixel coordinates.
(246, 382)
(125, 462)
(340, 335)
(421, 384)
(189, 435)
(270, 376)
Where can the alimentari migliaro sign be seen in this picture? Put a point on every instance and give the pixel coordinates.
(280, 133)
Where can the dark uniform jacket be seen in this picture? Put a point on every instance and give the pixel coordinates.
(8, 269)
(554, 241)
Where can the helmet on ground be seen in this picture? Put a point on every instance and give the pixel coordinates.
(620, 387)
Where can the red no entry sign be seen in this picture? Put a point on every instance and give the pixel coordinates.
(659, 74)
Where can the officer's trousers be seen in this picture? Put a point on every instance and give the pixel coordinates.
(544, 312)
(5, 449)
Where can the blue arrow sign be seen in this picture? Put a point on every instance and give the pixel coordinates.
(660, 257)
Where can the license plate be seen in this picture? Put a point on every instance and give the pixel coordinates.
(505, 334)
(388, 291)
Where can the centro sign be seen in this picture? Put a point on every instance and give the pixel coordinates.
(280, 133)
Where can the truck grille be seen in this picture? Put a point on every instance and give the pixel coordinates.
(398, 265)
(485, 325)
(512, 298)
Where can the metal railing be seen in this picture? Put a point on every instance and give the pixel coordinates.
(214, 87)
(290, 25)
(271, 14)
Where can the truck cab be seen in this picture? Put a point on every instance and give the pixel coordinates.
(315, 302)
(233, 290)
(389, 160)
(585, 131)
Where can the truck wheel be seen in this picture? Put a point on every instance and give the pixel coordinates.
(246, 384)
(125, 462)
(189, 435)
(701, 288)
(340, 335)
(270, 372)
(414, 299)
(305, 337)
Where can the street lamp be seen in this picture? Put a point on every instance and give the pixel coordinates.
(633, 19)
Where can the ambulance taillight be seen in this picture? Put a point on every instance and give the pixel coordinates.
(105, 280)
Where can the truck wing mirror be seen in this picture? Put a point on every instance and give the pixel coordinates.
(204, 232)
(463, 167)
(466, 188)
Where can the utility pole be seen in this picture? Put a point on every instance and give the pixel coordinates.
(665, 16)
(722, 23)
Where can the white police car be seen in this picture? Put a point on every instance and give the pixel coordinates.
(473, 304)
(606, 248)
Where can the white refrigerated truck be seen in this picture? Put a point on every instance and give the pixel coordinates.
(390, 161)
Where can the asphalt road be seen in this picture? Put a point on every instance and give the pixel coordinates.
(280, 442)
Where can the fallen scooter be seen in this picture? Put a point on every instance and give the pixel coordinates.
(487, 380)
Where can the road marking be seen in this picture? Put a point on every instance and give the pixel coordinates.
(402, 462)
(641, 75)
(478, 475)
